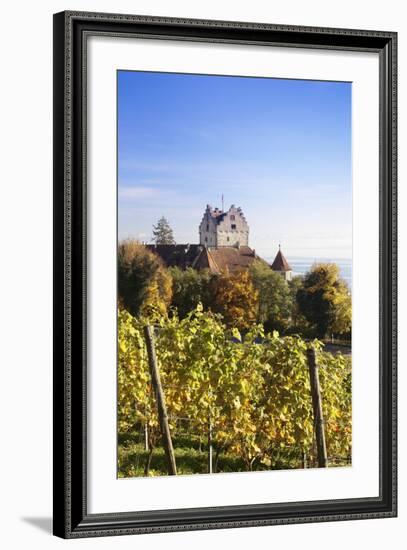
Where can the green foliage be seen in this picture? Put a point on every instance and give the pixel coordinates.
(275, 299)
(189, 288)
(298, 323)
(162, 232)
(324, 300)
(134, 384)
(335, 375)
(254, 391)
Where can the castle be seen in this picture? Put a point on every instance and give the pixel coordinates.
(220, 228)
(223, 245)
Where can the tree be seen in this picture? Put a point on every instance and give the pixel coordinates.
(159, 293)
(325, 300)
(189, 288)
(275, 300)
(142, 278)
(162, 232)
(299, 324)
(235, 297)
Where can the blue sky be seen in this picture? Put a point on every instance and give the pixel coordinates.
(280, 149)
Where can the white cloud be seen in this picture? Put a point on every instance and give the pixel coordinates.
(138, 192)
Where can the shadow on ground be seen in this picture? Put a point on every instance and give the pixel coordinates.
(44, 523)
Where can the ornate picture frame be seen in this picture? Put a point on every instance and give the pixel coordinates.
(72, 518)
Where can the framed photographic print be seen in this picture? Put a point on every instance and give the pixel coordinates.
(224, 274)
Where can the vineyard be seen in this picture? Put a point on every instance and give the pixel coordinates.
(236, 401)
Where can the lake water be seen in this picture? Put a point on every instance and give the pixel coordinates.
(302, 265)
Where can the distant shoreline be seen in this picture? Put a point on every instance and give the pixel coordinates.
(301, 265)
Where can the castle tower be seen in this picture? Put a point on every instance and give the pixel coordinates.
(219, 228)
(280, 265)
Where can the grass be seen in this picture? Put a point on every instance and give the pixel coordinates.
(191, 457)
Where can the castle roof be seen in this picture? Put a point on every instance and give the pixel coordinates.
(205, 260)
(280, 263)
(201, 257)
(233, 258)
(215, 212)
(218, 215)
(176, 255)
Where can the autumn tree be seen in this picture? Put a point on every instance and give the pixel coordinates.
(234, 296)
(158, 294)
(162, 232)
(275, 300)
(142, 278)
(324, 299)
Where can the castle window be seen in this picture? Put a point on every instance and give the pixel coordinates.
(207, 226)
(233, 226)
(232, 217)
(227, 238)
(206, 239)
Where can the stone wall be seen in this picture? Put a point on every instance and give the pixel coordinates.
(233, 228)
(207, 229)
(219, 228)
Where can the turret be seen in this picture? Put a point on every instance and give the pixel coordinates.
(280, 265)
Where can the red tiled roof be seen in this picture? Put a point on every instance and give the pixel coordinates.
(280, 263)
(200, 257)
(232, 258)
(205, 261)
(176, 255)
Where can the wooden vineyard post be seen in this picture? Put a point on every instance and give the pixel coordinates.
(162, 409)
(146, 445)
(317, 408)
(210, 449)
